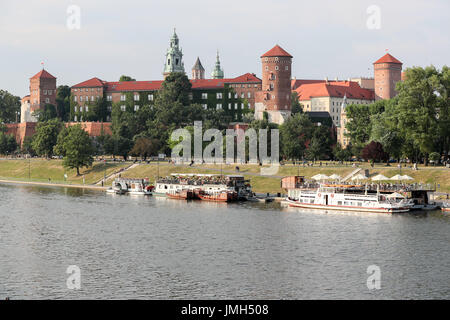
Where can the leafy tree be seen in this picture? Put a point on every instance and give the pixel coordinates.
(9, 107)
(8, 143)
(418, 107)
(126, 78)
(296, 134)
(144, 147)
(75, 145)
(27, 147)
(296, 107)
(47, 113)
(340, 153)
(434, 156)
(63, 102)
(374, 152)
(45, 137)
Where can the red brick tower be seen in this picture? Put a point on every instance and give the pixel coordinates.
(388, 71)
(275, 97)
(42, 90)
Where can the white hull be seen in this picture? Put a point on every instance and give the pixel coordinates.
(345, 208)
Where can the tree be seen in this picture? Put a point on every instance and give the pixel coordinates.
(296, 134)
(144, 147)
(47, 113)
(340, 153)
(296, 107)
(9, 107)
(63, 102)
(27, 147)
(434, 156)
(45, 137)
(374, 152)
(8, 143)
(75, 145)
(418, 107)
(126, 78)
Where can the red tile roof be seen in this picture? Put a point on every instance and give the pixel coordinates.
(94, 82)
(43, 74)
(387, 58)
(156, 85)
(276, 51)
(334, 89)
(295, 83)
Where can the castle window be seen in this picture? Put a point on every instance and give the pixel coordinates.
(235, 106)
(242, 95)
(276, 68)
(122, 97)
(267, 68)
(75, 109)
(81, 98)
(45, 92)
(176, 61)
(229, 95)
(87, 98)
(81, 109)
(123, 107)
(109, 97)
(242, 106)
(75, 118)
(229, 106)
(204, 96)
(219, 95)
(92, 89)
(136, 107)
(150, 97)
(109, 108)
(75, 98)
(219, 106)
(249, 94)
(205, 106)
(136, 97)
(92, 98)
(49, 92)
(87, 108)
(287, 68)
(168, 61)
(47, 100)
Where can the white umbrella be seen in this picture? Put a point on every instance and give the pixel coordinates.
(335, 176)
(379, 177)
(320, 177)
(397, 177)
(406, 177)
(359, 176)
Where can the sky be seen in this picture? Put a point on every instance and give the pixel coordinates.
(327, 38)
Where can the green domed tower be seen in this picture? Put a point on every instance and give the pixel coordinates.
(174, 57)
(217, 72)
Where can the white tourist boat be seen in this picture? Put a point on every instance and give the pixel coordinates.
(336, 198)
(209, 183)
(130, 186)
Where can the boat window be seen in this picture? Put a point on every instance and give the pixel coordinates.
(359, 204)
(339, 203)
(345, 203)
(311, 201)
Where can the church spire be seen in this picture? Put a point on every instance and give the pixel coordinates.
(217, 72)
(198, 72)
(174, 56)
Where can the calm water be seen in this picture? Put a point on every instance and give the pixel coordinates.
(156, 248)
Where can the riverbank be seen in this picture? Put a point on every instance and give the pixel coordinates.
(51, 172)
(49, 184)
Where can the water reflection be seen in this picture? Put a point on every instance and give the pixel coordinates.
(153, 247)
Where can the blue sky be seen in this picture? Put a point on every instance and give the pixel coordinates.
(327, 38)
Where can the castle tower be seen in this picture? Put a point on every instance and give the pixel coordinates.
(174, 57)
(275, 97)
(198, 72)
(42, 92)
(217, 72)
(388, 71)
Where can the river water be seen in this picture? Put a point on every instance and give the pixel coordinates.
(134, 247)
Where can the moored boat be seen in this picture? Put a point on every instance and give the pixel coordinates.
(181, 195)
(223, 196)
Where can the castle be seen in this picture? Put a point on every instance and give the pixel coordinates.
(269, 96)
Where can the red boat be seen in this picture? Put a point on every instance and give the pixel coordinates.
(224, 196)
(181, 195)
